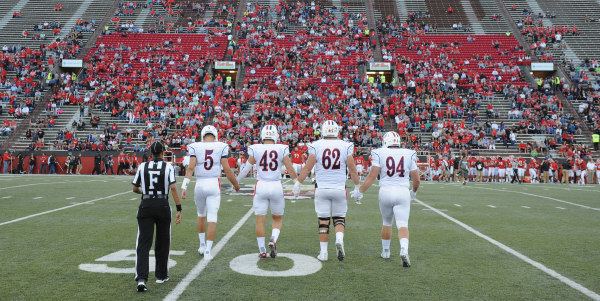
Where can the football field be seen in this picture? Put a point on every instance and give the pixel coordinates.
(73, 238)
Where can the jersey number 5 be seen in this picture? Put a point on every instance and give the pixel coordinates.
(208, 159)
(269, 165)
(392, 169)
(330, 156)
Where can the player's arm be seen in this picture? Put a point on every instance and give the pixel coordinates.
(246, 168)
(173, 188)
(416, 181)
(352, 169)
(189, 172)
(310, 163)
(370, 179)
(287, 162)
(414, 176)
(229, 174)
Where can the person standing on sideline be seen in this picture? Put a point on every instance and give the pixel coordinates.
(515, 167)
(596, 140)
(43, 164)
(52, 164)
(97, 162)
(153, 180)
(6, 159)
(31, 163)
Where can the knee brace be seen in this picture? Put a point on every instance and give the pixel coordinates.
(324, 223)
(338, 220)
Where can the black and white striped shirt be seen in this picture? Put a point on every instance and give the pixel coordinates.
(154, 178)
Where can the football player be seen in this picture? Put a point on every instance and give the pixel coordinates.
(297, 159)
(267, 158)
(396, 167)
(330, 156)
(206, 160)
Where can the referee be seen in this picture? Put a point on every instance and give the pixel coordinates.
(153, 180)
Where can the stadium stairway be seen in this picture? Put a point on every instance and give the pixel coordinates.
(65, 120)
(484, 10)
(574, 12)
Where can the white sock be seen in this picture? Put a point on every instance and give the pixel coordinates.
(275, 234)
(261, 244)
(202, 238)
(385, 244)
(404, 244)
(324, 246)
(208, 245)
(339, 237)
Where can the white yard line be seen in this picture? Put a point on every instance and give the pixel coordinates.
(37, 197)
(591, 294)
(195, 272)
(49, 183)
(526, 207)
(561, 208)
(457, 205)
(540, 196)
(569, 188)
(491, 206)
(62, 208)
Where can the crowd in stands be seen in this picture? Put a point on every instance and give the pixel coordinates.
(165, 88)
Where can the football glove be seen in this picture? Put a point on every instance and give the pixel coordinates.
(296, 189)
(356, 194)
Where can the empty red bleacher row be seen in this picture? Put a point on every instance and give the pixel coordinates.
(186, 46)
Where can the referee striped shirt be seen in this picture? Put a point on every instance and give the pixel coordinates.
(154, 178)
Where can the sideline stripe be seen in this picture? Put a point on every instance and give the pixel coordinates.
(49, 183)
(591, 294)
(195, 272)
(540, 196)
(62, 208)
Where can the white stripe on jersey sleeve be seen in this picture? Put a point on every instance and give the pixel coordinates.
(375, 159)
(413, 162)
(225, 151)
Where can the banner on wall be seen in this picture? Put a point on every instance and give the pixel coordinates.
(542, 66)
(72, 63)
(380, 66)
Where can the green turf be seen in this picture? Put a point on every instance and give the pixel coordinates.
(40, 256)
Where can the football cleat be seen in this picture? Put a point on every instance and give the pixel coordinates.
(341, 254)
(273, 247)
(141, 287)
(405, 260)
(161, 281)
(358, 202)
(201, 250)
(385, 254)
(207, 255)
(323, 256)
(262, 255)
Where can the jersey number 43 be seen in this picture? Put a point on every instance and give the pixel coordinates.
(264, 161)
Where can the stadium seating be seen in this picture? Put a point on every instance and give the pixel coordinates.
(142, 87)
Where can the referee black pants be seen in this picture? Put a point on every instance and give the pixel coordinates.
(150, 216)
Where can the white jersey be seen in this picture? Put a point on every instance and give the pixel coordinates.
(269, 160)
(330, 168)
(208, 158)
(396, 165)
